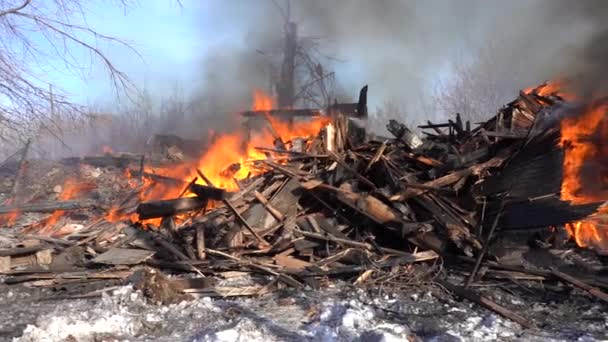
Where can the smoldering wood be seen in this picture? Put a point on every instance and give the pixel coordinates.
(163, 208)
(208, 192)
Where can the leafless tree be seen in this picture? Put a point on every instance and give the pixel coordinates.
(482, 81)
(31, 34)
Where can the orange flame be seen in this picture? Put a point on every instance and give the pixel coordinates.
(579, 139)
(235, 151)
(551, 88)
(9, 219)
(70, 190)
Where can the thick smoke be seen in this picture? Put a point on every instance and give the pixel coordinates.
(403, 49)
(421, 59)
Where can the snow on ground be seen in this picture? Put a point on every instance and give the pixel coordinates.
(338, 315)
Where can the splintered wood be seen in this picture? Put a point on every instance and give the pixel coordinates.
(326, 206)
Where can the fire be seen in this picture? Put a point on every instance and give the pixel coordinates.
(578, 135)
(70, 190)
(582, 139)
(9, 219)
(229, 157)
(593, 233)
(552, 88)
(261, 101)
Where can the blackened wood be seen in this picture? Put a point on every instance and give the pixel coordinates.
(535, 170)
(208, 192)
(580, 284)
(523, 213)
(435, 126)
(162, 208)
(448, 179)
(379, 153)
(486, 244)
(283, 113)
(359, 176)
(272, 210)
(505, 135)
(244, 222)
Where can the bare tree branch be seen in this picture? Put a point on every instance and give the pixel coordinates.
(15, 9)
(32, 33)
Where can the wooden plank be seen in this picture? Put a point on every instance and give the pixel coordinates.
(48, 207)
(22, 250)
(123, 256)
(597, 293)
(163, 208)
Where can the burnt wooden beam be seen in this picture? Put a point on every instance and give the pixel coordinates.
(287, 113)
(356, 109)
(163, 208)
(208, 192)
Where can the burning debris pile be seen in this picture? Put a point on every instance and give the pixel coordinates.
(307, 202)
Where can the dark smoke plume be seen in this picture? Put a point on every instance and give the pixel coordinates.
(402, 48)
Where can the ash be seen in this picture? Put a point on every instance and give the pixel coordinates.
(338, 313)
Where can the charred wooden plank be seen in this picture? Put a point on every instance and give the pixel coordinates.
(580, 284)
(162, 208)
(208, 192)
